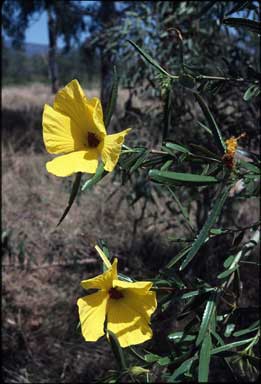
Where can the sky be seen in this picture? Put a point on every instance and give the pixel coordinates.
(37, 31)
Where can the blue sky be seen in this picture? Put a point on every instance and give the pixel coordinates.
(37, 31)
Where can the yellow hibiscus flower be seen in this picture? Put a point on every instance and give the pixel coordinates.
(74, 126)
(125, 306)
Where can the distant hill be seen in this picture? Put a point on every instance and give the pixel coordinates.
(30, 49)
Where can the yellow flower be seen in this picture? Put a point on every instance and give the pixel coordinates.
(74, 126)
(125, 306)
(231, 147)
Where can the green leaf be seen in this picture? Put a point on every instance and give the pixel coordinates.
(207, 314)
(151, 357)
(72, 197)
(177, 257)
(229, 260)
(199, 241)
(164, 361)
(204, 151)
(123, 277)
(251, 25)
(174, 178)
(113, 98)
(251, 328)
(204, 359)
(100, 173)
(226, 273)
(177, 147)
(182, 209)
(128, 160)
(251, 92)
(205, 128)
(181, 370)
(181, 336)
(117, 350)
(103, 245)
(197, 292)
(211, 123)
(148, 58)
(250, 167)
(230, 346)
(166, 165)
(143, 155)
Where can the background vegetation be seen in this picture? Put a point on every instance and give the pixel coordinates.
(142, 225)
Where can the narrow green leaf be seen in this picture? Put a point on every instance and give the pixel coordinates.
(72, 197)
(166, 165)
(250, 167)
(230, 346)
(199, 241)
(207, 314)
(139, 160)
(151, 357)
(227, 273)
(251, 328)
(174, 178)
(177, 257)
(181, 336)
(103, 245)
(177, 147)
(204, 359)
(229, 260)
(100, 173)
(211, 123)
(251, 25)
(128, 160)
(117, 350)
(205, 128)
(204, 151)
(148, 58)
(113, 98)
(197, 292)
(181, 370)
(164, 361)
(183, 210)
(123, 277)
(251, 92)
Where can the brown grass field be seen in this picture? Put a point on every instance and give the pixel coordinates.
(43, 265)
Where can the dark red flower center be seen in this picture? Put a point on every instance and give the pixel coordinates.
(93, 141)
(115, 294)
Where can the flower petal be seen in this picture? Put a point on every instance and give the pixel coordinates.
(84, 112)
(60, 133)
(92, 313)
(139, 287)
(111, 149)
(103, 281)
(127, 324)
(145, 305)
(80, 161)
